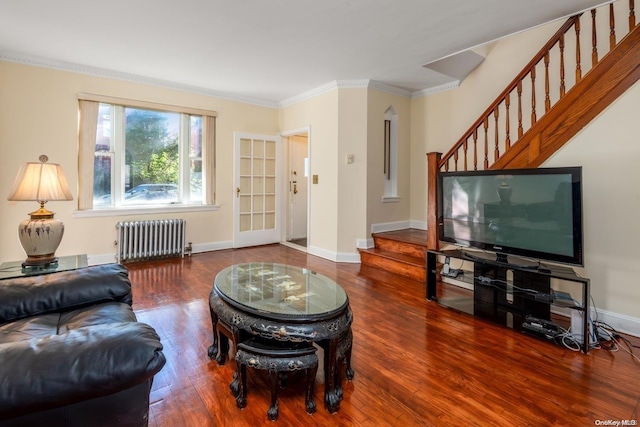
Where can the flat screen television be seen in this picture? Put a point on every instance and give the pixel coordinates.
(531, 213)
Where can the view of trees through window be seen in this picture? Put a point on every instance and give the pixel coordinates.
(151, 147)
(147, 159)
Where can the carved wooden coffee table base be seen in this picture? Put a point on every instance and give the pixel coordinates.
(333, 335)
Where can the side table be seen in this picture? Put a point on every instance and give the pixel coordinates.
(13, 269)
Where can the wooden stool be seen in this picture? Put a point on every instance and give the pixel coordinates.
(277, 357)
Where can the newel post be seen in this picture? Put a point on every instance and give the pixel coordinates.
(433, 159)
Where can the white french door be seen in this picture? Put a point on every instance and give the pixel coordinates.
(256, 198)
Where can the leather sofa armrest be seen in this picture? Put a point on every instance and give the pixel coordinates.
(68, 290)
(82, 364)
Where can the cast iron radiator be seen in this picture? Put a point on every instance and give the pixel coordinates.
(140, 240)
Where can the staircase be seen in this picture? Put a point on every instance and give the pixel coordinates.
(509, 134)
(400, 252)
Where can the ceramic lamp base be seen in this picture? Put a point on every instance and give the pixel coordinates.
(40, 238)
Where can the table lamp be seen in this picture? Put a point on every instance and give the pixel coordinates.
(41, 234)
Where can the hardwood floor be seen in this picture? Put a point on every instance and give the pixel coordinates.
(416, 363)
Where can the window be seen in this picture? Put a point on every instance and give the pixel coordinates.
(390, 156)
(144, 156)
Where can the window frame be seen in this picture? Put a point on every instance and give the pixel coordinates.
(88, 108)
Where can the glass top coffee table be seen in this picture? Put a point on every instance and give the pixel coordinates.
(281, 292)
(284, 303)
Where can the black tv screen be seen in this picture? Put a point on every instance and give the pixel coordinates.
(534, 213)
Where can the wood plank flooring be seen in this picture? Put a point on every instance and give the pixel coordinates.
(416, 363)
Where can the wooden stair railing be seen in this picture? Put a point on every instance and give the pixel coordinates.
(563, 117)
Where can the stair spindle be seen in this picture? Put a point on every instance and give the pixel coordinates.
(496, 151)
(455, 161)
(475, 149)
(507, 103)
(632, 15)
(464, 149)
(486, 142)
(547, 100)
(519, 89)
(562, 87)
(594, 39)
(612, 26)
(533, 96)
(578, 66)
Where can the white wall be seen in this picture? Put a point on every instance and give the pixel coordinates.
(607, 149)
(352, 178)
(38, 115)
(439, 120)
(321, 114)
(377, 211)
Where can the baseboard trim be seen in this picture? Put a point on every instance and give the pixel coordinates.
(101, 259)
(349, 257)
(390, 226)
(620, 322)
(212, 246)
(365, 243)
(419, 225)
(97, 259)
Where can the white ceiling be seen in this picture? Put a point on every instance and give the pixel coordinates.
(265, 50)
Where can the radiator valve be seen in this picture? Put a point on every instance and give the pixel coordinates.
(189, 249)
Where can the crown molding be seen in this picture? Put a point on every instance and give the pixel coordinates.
(327, 87)
(112, 74)
(393, 90)
(345, 84)
(118, 75)
(436, 89)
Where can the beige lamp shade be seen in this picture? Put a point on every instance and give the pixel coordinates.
(40, 182)
(41, 234)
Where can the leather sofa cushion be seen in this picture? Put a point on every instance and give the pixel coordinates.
(36, 295)
(47, 325)
(77, 365)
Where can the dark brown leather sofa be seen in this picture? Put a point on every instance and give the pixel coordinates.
(72, 352)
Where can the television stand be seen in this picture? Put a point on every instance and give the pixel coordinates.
(500, 259)
(509, 293)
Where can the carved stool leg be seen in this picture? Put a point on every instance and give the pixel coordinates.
(350, 371)
(241, 398)
(343, 356)
(338, 380)
(223, 345)
(311, 381)
(278, 359)
(235, 383)
(213, 349)
(272, 413)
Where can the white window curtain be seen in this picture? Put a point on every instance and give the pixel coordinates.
(86, 152)
(209, 143)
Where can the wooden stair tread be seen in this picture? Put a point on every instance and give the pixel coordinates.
(410, 235)
(400, 252)
(407, 259)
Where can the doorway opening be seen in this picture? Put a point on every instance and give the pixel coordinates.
(297, 170)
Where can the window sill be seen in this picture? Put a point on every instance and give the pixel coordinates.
(146, 210)
(389, 199)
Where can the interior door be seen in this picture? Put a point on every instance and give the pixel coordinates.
(256, 167)
(298, 188)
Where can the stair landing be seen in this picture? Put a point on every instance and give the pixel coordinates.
(401, 252)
